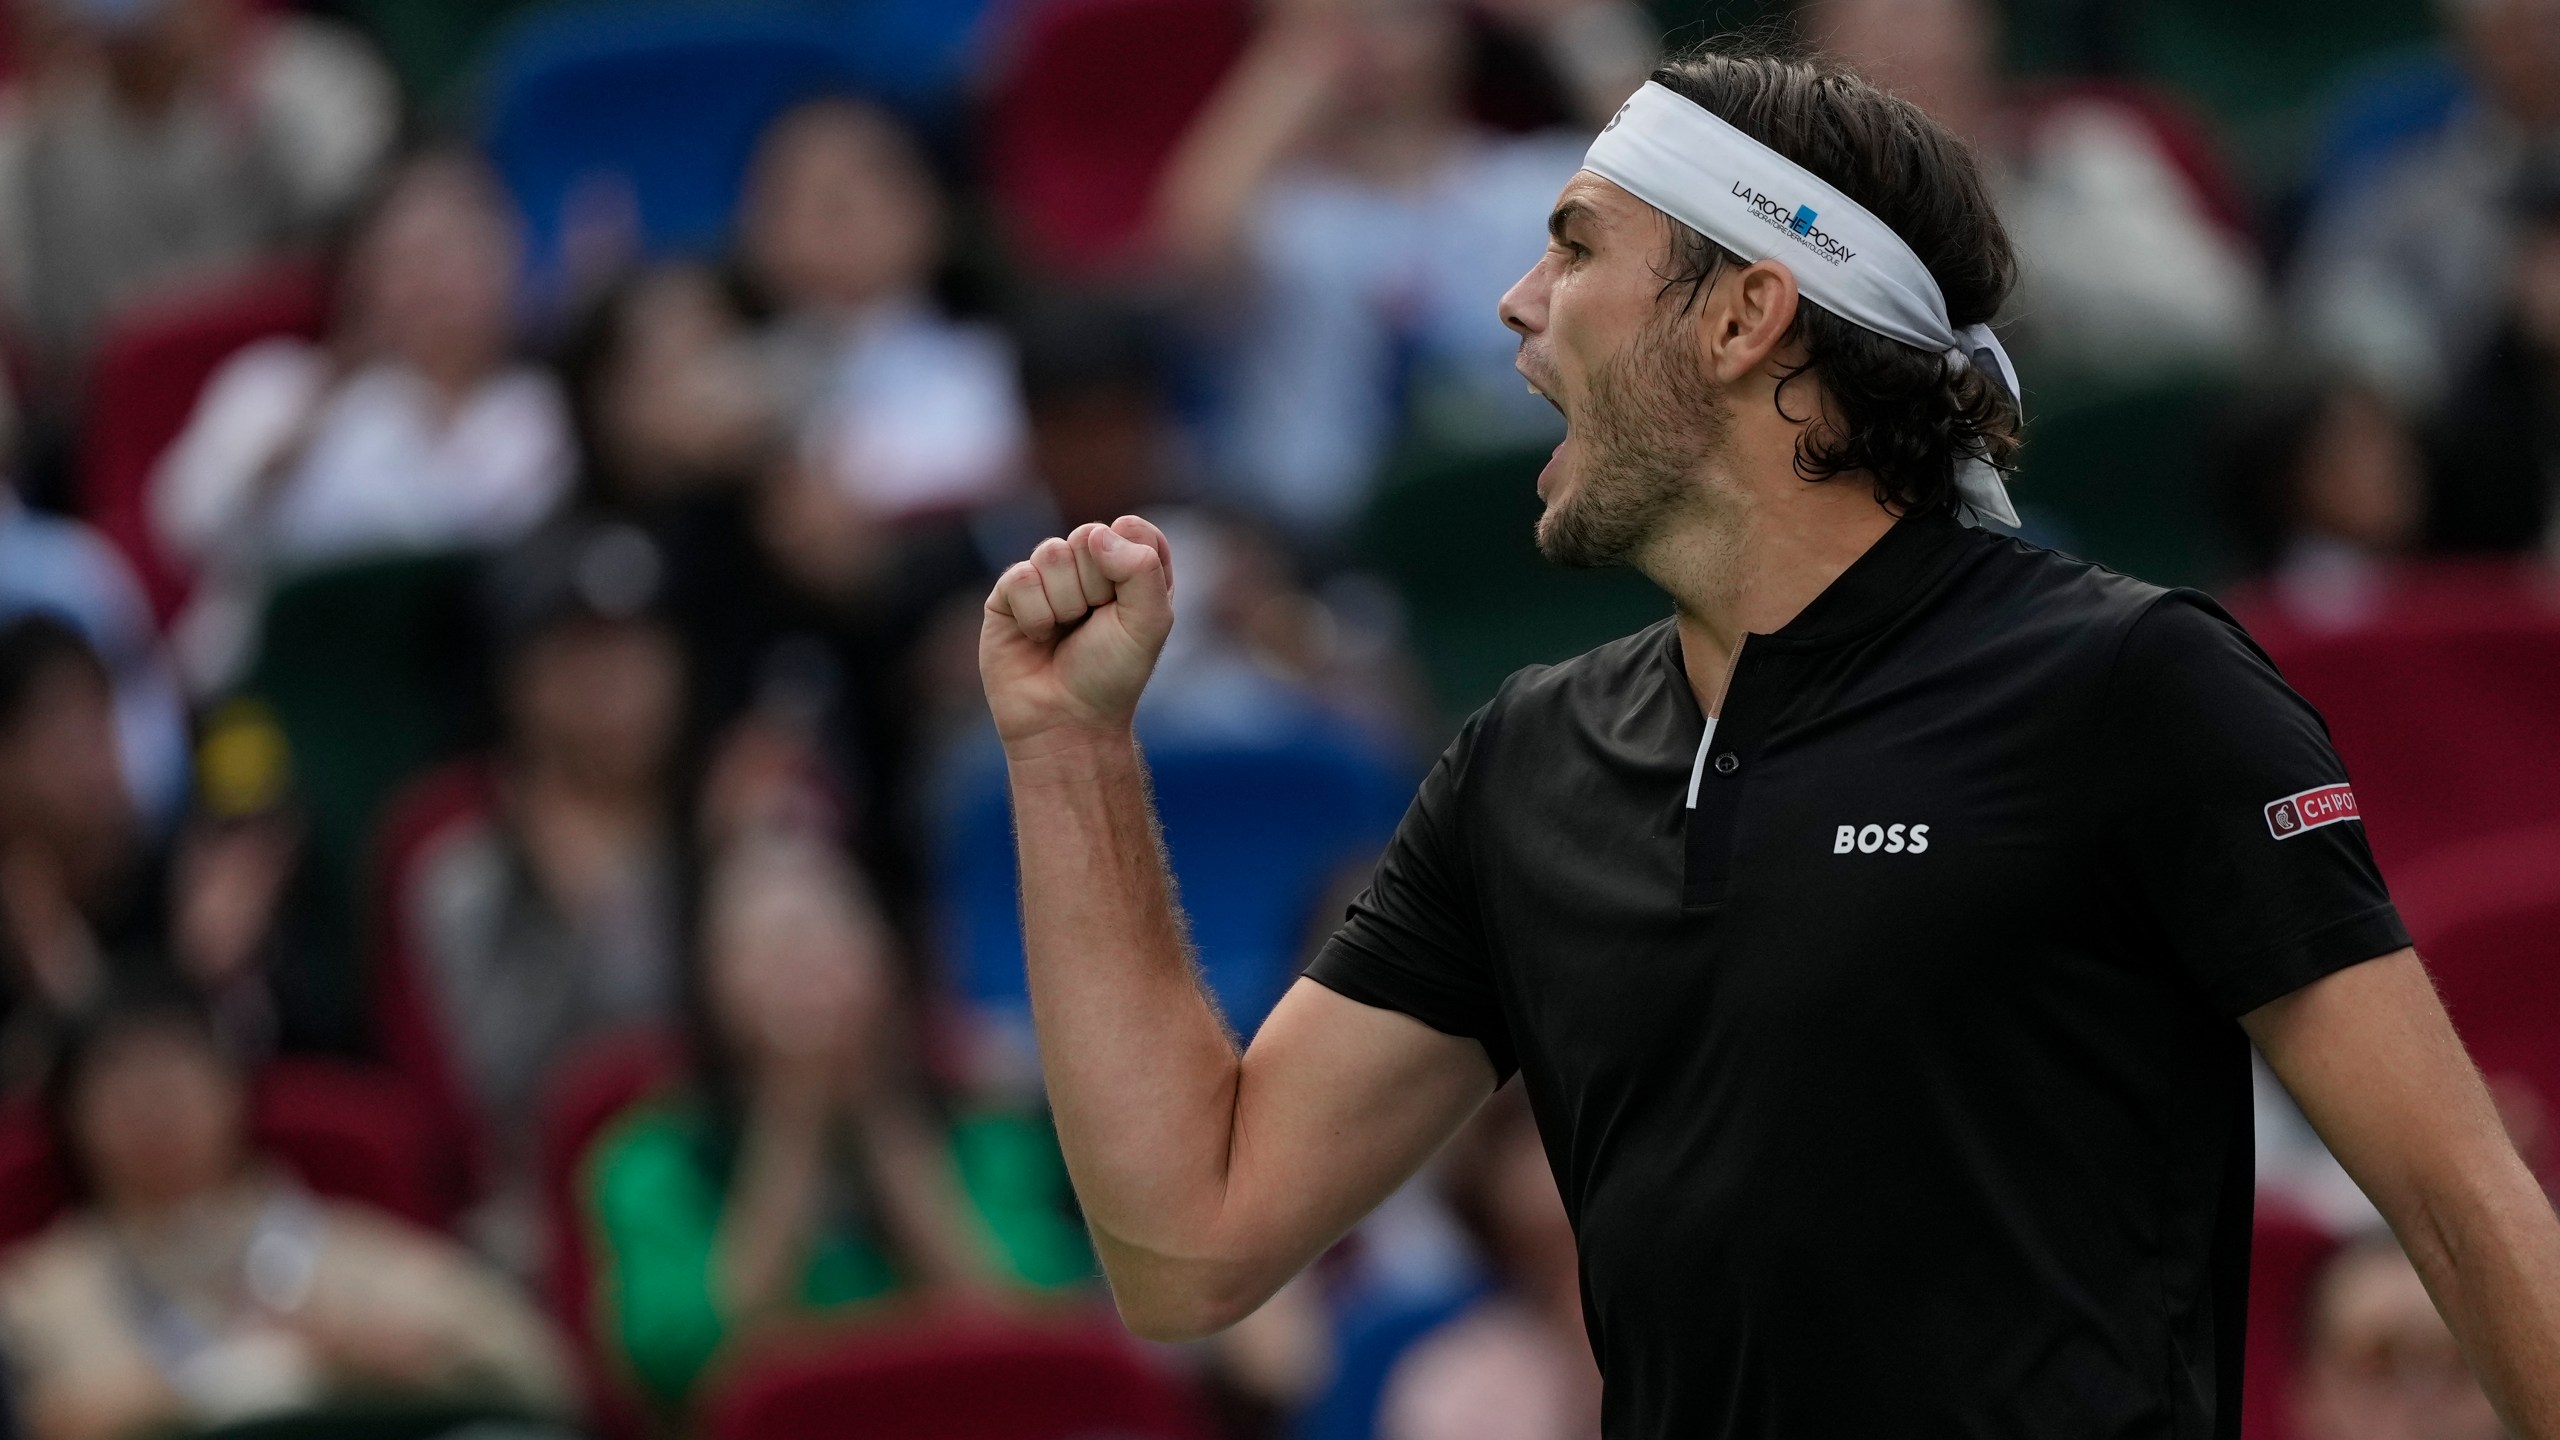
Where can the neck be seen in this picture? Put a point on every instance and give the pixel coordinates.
(588, 791)
(146, 1209)
(1752, 558)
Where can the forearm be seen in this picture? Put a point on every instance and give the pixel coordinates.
(765, 1229)
(1143, 1077)
(1253, 123)
(2374, 1062)
(2490, 1254)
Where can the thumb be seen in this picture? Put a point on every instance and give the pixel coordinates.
(1138, 584)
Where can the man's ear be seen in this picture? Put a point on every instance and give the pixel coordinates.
(1746, 318)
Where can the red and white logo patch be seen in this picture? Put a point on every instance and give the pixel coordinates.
(2298, 814)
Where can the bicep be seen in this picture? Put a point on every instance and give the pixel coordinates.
(2371, 1057)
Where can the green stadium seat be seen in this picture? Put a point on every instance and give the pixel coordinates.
(433, 45)
(2115, 476)
(372, 670)
(1455, 535)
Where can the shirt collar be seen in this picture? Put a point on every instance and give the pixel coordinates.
(1879, 585)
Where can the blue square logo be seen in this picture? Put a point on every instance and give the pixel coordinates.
(1803, 221)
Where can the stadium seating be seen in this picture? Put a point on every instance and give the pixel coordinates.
(1370, 1336)
(663, 102)
(372, 672)
(150, 366)
(960, 1380)
(2443, 698)
(407, 1031)
(1259, 828)
(2109, 474)
(2286, 1250)
(358, 1131)
(2399, 100)
(2264, 71)
(33, 1185)
(2486, 915)
(587, 1092)
(1455, 534)
(1083, 117)
(353, 1132)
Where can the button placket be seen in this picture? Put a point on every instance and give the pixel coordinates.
(1710, 836)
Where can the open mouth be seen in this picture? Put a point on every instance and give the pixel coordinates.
(1526, 362)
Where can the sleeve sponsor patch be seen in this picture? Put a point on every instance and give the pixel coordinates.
(2299, 814)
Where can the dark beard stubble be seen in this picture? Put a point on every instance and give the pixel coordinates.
(1653, 414)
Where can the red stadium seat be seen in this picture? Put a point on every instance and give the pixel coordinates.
(351, 1132)
(407, 1031)
(2444, 700)
(2486, 915)
(965, 1380)
(33, 1187)
(586, 1093)
(358, 1132)
(1096, 96)
(2286, 1250)
(150, 368)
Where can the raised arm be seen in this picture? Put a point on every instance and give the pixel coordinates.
(1208, 1177)
(2374, 1062)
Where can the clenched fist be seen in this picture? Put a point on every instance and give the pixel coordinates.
(1072, 633)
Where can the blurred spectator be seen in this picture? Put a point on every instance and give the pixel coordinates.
(242, 916)
(2132, 253)
(896, 408)
(2497, 477)
(75, 891)
(2325, 485)
(549, 913)
(807, 1174)
(1518, 1366)
(59, 566)
(412, 428)
(2402, 273)
(195, 1284)
(2378, 1362)
(796, 605)
(1104, 442)
(1356, 225)
(161, 141)
(668, 397)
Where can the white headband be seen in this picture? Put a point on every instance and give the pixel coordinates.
(1686, 162)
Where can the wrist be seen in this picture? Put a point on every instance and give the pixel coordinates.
(1066, 754)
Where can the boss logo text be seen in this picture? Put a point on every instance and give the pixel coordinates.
(1891, 839)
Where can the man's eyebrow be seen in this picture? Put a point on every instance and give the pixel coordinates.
(1564, 217)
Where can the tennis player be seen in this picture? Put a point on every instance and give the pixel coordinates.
(1880, 939)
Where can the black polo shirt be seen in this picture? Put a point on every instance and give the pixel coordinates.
(1894, 1089)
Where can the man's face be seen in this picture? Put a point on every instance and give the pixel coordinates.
(1608, 347)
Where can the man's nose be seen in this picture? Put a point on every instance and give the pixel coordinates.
(1524, 305)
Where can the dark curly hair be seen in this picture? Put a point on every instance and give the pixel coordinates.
(1904, 415)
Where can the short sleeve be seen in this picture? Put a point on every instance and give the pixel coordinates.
(1414, 939)
(656, 1216)
(2237, 825)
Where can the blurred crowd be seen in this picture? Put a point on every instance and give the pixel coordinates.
(503, 893)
